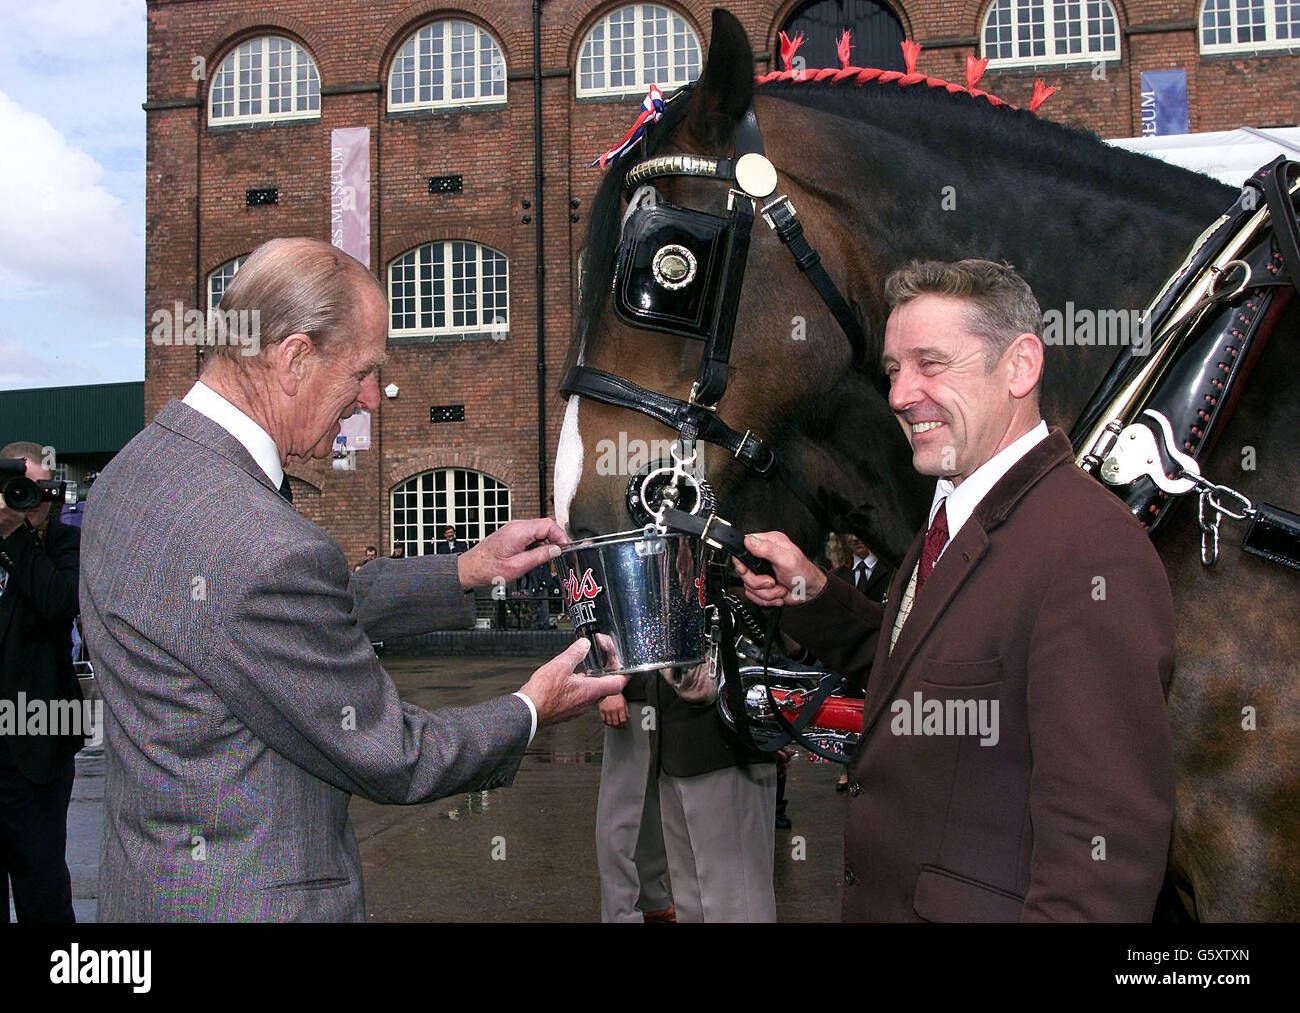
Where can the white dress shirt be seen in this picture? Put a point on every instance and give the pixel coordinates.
(963, 499)
(256, 440)
(870, 567)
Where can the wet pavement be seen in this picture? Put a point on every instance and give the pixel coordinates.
(525, 853)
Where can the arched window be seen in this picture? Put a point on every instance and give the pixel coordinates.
(452, 290)
(447, 63)
(269, 78)
(1248, 25)
(220, 279)
(636, 46)
(1026, 32)
(876, 33)
(474, 503)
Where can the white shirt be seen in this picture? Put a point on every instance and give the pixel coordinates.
(256, 440)
(964, 498)
(870, 568)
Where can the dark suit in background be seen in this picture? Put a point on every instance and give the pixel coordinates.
(876, 584)
(37, 608)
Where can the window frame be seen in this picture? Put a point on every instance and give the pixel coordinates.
(1050, 36)
(418, 105)
(496, 329)
(444, 508)
(638, 88)
(1270, 43)
(238, 262)
(238, 119)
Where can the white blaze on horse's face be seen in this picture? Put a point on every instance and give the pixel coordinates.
(568, 463)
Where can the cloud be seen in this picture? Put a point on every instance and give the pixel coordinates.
(20, 367)
(62, 234)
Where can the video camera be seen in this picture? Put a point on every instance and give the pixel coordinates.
(22, 494)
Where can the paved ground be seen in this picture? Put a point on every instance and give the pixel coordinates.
(435, 862)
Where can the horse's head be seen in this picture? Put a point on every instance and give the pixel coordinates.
(790, 379)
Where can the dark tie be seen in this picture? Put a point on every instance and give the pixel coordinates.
(860, 575)
(285, 491)
(935, 539)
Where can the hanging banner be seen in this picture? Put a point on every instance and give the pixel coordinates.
(355, 431)
(350, 191)
(1164, 102)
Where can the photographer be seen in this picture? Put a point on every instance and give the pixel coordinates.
(38, 602)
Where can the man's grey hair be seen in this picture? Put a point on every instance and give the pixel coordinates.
(1001, 305)
(297, 286)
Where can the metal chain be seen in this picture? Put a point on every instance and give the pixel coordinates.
(1211, 509)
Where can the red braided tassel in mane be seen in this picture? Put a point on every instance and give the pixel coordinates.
(861, 75)
(789, 47)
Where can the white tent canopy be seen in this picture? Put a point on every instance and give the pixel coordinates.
(1230, 156)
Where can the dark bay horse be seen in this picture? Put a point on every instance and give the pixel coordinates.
(882, 174)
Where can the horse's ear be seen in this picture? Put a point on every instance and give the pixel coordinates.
(726, 88)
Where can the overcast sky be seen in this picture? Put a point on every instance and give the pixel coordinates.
(72, 78)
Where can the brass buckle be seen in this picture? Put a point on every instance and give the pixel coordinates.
(694, 399)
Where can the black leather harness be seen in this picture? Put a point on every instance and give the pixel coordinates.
(681, 271)
(1155, 414)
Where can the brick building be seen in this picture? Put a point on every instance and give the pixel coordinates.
(243, 97)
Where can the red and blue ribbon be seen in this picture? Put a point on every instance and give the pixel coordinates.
(652, 108)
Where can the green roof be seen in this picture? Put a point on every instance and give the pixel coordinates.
(93, 419)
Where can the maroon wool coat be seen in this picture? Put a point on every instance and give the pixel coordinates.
(1051, 602)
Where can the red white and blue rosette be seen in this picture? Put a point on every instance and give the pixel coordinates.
(652, 108)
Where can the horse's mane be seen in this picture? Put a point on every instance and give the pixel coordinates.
(991, 132)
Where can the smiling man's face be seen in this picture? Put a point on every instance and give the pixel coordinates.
(955, 411)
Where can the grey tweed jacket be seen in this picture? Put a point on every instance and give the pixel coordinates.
(243, 703)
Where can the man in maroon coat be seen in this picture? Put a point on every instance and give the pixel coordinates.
(1016, 759)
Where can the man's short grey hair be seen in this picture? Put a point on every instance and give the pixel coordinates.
(297, 286)
(1001, 305)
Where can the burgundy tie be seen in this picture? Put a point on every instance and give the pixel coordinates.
(935, 539)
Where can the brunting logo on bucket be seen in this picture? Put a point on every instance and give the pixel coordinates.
(580, 597)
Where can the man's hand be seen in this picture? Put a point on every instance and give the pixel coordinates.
(796, 579)
(10, 520)
(505, 552)
(613, 710)
(559, 694)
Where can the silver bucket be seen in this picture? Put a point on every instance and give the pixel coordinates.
(643, 591)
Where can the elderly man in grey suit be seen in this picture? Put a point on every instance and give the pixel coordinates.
(244, 704)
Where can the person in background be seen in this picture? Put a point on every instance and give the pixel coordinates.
(451, 545)
(864, 570)
(39, 565)
(371, 553)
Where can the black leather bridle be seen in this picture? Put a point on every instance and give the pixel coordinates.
(681, 271)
